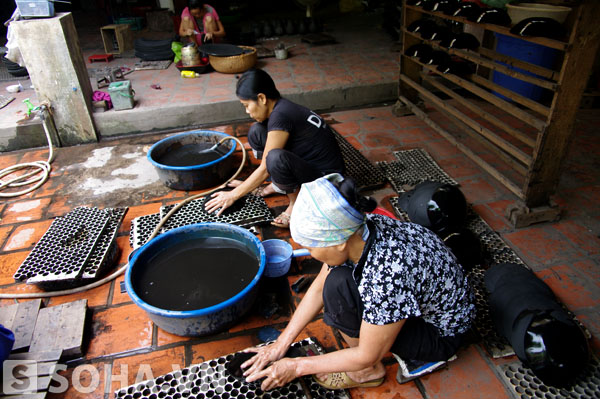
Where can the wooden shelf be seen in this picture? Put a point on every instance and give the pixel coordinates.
(535, 153)
(117, 38)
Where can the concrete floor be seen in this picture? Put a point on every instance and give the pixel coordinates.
(114, 172)
(359, 69)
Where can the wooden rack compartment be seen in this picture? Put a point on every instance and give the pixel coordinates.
(530, 137)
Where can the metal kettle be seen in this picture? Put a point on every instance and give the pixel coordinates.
(190, 55)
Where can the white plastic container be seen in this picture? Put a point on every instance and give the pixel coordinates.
(35, 8)
(519, 12)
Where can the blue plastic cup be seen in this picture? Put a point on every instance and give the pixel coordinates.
(279, 255)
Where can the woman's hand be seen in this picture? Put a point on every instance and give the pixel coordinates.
(276, 375)
(278, 372)
(222, 200)
(208, 36)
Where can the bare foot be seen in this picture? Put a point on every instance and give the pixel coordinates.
(368, 374)
(267, 190)
(234, 183)
(321, 376)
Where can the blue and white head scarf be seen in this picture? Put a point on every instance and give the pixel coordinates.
(321, 216)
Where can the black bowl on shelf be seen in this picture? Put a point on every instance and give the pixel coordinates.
(468, 9)
(496, 16)
(422, 26)
(419, 50)
(465, 41)
(446, 6)
(201, 68)
(435, 58)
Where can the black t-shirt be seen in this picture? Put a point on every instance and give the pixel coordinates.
(310, 137)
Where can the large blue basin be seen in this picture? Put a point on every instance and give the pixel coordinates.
(208, 320)
(194, 177)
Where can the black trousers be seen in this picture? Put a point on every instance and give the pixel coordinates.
(417, 340)
(288, 171)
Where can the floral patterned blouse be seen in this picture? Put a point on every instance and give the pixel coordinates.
(409, 272)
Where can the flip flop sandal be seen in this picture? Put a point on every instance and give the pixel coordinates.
(342, 381)
(285, 218)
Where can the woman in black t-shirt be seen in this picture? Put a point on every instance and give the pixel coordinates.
(295, 145)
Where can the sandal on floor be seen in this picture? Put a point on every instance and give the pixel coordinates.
(342, 381)
(285, 218)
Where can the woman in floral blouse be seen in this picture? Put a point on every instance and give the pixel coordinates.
(386, 285)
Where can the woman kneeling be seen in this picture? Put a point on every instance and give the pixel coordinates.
(386, 285)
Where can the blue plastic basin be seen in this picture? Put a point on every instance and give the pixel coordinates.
(211, 319)
(196, 177)
(524, 51)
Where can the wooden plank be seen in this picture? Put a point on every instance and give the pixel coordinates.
(489, 97)
(483, 114)
(518, 167)
(483, 131)
(555, 44)
(517, 63)
(61, 327)
(532, 105)
(20, 318)
(474, 57)
(553, 143)
(39, 395)
(40, 369)
(41, 356)
(466, 150)
(406, 67)
(27, 385)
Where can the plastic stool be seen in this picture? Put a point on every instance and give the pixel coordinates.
(100, 57)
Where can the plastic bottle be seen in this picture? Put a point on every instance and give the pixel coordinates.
(189, 74)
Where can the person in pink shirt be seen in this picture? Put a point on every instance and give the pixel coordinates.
(200, 23)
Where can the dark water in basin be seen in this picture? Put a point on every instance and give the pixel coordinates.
(195, 274)
(191, 154)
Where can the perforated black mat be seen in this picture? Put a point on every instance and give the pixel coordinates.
(411, 168)
(365, 174)
(210, 379)
(253, 211)
(75, 249)
(525, 385)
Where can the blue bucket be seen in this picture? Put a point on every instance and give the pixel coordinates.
(207, 320)
(525, 51)
(195, 177)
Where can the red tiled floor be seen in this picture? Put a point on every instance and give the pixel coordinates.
(218, 348)
(542, 246)
(119, 329)
(26, 235)
(468, 375)
(565, 254)
(572, 288)
(9, 263)
(25, 211)
(4, 233)
(84, 381)
(134, 369)
(96, 297)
